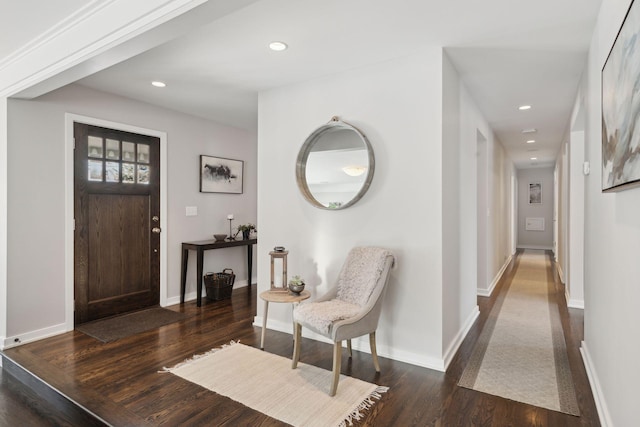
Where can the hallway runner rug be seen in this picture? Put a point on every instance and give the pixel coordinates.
(266, 383)
(521, 353)
(115, 328)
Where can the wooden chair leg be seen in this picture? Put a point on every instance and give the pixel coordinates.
(349, 348)
(337, 359)
(374, 353)
(297, 337)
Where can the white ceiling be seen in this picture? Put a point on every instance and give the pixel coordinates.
(507, 52)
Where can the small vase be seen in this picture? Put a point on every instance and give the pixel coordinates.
(246, 234)
(296, 289)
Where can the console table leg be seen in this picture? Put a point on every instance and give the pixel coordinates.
(185, 259)
(249, 265)
(199, 278)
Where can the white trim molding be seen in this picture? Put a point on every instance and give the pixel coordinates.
(191, 296)
(69, 205)
(574, 303)
(96, 28)
(58, 30)
(462, 334)
(31, 336)
(494, 282)
(540, 247)
(598, 395)
(560, 272)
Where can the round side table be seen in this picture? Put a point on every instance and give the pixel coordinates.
(278, 296)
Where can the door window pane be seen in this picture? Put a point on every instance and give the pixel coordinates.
(128, 173)
(112, 171)
(128, 151)
(95, 170)
(94, 148)
(143, 174)
(143, 153)
(113, 149)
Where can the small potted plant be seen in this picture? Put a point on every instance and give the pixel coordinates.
(296, 285)
(246, 230)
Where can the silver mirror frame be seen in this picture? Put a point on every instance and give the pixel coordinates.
(301, 162)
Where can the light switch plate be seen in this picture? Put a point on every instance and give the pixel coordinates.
(191, 211)
(586, 168)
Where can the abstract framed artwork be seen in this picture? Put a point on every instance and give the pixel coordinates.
(535, 193)
(220, 175)
(621, 107)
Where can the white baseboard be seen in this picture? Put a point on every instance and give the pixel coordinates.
(598, 396)
(574, 303)
(359, 344)
(542, 247)
(494, 283)
(27, 337)
(457, 342)
(560, 273)
(191, 296)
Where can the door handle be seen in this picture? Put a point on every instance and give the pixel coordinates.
(156, 230)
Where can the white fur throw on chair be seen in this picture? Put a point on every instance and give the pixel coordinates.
(321, 315)
(360, 274)
(356, 282)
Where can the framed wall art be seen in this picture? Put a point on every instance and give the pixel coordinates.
(535, 193)
(621, 107)
(220, 175)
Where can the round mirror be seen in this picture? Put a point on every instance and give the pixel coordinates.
(335, 166)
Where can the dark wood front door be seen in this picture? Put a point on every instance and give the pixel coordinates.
(117, 222)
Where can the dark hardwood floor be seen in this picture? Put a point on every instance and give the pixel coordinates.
(119, 381)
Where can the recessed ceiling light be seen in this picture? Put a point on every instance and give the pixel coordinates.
(278, 46)
(531, 141)
(158, 83)
(524, 107)
(532, 130)
(533, 158)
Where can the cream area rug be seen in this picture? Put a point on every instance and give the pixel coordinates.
(265, 382)
(521, 353)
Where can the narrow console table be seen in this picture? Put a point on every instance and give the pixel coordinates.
(204, 245)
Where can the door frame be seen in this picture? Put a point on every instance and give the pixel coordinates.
(69, 196)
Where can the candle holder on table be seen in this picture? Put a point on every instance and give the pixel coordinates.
(230, 218)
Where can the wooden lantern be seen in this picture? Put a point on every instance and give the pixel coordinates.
(283, 256)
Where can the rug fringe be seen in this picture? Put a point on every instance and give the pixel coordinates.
(366, 404)
(196, 357)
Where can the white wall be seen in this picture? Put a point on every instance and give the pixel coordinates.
(463, 122)
(500, 170)
(36, 190)
(453, 310)
(575, 280)
(422, 125)
(612, 243)
(3, 215)
(535, 239)
(398, 106)
(562, 175)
